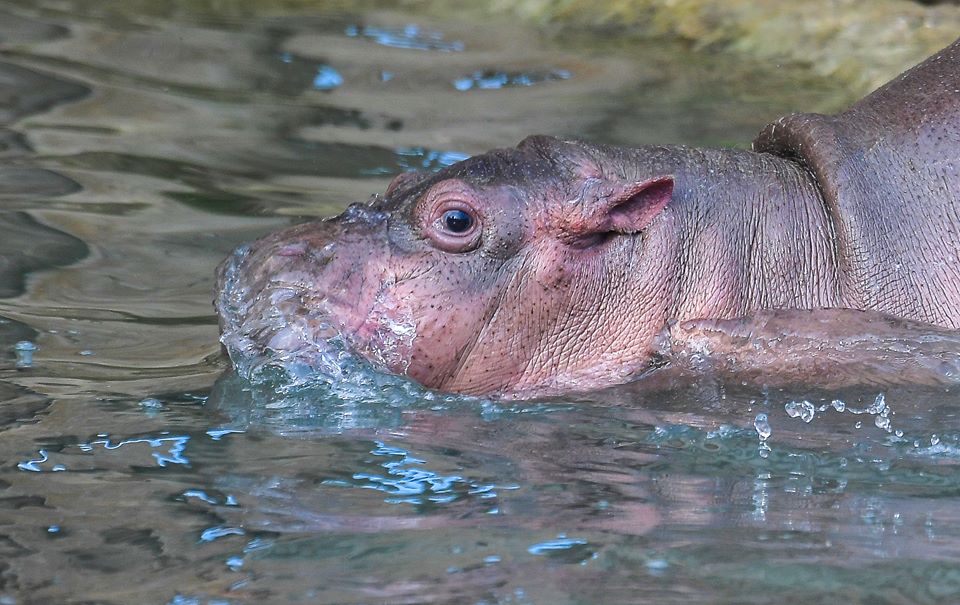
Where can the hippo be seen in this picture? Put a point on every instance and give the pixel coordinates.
(556, 265)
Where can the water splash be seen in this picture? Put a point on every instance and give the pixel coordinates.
(802, 409)
(879, 409)
(294, 370)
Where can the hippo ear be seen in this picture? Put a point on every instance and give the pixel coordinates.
(620, 207)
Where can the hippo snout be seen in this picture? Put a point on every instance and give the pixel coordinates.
(285, 297)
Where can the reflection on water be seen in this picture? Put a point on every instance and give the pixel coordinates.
(410, 36)
(143, 141)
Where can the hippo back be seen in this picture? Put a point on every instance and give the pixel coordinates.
(889, 172)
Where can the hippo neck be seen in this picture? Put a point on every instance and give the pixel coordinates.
(752, 233)
(743, 231)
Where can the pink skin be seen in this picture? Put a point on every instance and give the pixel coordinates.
(560, 283)
(570, 265)
(553, 266)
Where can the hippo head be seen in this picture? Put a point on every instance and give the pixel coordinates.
(519, 272)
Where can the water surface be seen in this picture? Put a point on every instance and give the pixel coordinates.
(140, 143)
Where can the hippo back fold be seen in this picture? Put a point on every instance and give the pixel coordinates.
(889, 172)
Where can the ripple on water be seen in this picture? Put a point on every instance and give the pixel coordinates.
(407, 481)
(495, 80)
(26, 91)
(104, 452)
(410, 36)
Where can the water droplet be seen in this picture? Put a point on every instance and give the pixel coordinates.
(802, 409)
(762, 425)
(879, 405)
(24, 351)
(327, 78)
(151, 403)
(657, 566)
(882, 422)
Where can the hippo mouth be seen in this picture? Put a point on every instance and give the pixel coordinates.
(303, 304)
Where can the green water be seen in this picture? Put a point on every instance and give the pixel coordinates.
(141, 143)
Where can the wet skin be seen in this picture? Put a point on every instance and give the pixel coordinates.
(555, 265)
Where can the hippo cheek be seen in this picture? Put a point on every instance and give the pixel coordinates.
(423, 323)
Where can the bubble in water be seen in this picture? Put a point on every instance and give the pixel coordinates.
(838, 405)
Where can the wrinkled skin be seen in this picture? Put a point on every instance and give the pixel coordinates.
(555, 265)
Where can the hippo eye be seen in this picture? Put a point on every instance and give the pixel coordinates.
(449, 217)
(457, 221)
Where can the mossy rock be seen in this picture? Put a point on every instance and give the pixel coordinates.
(863, 43)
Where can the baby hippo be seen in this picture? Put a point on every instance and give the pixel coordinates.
(555, 265)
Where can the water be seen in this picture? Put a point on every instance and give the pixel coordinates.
(143, 141)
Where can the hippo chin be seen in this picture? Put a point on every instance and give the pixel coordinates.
(553, 266)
